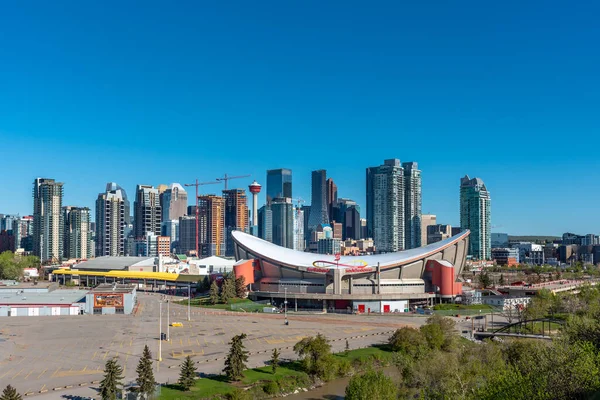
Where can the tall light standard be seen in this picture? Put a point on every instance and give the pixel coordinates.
(160, 330)
(168, 320)
(285, 306)
(189, 296)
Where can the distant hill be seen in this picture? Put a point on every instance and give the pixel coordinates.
(534, 239)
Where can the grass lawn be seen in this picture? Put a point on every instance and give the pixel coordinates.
(205, 302)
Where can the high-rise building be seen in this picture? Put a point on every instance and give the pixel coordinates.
(437, 233)
(394, 205)
(282, 212)
(187, 234)
(112, 213)
(48, 226)
(77, 244)
(171, 229)
(254, 188)
(279, 183)
(306, 215)
(352, 226)
(211, 225)
(475, 215)
(342, 206)
(318, 206)
(173, 202)
(426, 220)
(332, 199)
(147, 211)
(236, 215)
(7, 222)
(265, 223)
(299, 239)
(364, 232)
(412, 205)
(23, 232)
(385, 206)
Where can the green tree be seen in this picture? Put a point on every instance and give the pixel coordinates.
(145, 379)
(227, 289)
(110, 386)
(433, 335)
(408, 340)
(372, 385)
(240, 287)
(484, 279)
(11, 265)
(10, 393)
(213, 295)
(274, 361)
(313, 351)
(235, 363)
(501, 281)
(187, 373)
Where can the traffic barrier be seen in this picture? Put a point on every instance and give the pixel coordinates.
(57, 388)
(43, 390)
(83, 384)
(29, 394)
(94, 382)
(68, 386)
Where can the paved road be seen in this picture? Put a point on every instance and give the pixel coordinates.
(39, 354)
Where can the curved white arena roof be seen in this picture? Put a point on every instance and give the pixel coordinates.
(282, 255)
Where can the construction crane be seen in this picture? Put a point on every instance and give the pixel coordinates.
(198, 184)
(226, 178)
(298, 201)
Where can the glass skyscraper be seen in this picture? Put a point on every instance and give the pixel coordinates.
(475, 215)
(48, 224)
(394, 205)
(279, 183)
(318, 206)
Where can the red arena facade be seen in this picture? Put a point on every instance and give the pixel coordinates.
(391, 282)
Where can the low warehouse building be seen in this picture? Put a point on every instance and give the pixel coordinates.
(41, 303)
(111, 299)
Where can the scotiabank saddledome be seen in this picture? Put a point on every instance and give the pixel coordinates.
(382, 283)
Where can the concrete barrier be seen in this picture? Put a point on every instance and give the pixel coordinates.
(83, 384)
(57, 388)
(29, 394)
(43, 390)
(68, 386)
(94, 382)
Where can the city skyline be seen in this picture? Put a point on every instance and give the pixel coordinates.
(461, 91)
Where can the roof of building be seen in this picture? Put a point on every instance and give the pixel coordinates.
(215, 261)
(56, 297)
(109, 263)
(113, 288)
(160, 276)
(287, 256)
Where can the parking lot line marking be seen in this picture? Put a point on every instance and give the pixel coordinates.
(197, 341)
(84, 368)
(40, 375)
(18, 373)
(42, 388)
(105, 354)
(94, 356)
(27, 376)
(55, 372)
(6, 373)
(121, 346)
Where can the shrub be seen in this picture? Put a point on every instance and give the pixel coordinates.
(271, 388)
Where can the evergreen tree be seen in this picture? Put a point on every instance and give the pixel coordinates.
(10, 393)
(145, 378)
(347, 346)
(228, 289)
(501, 281)
(275, 361)
(110, 385)
(235, 364)
(205, 284)
(240, 287)
(214, 293)
(187, 373)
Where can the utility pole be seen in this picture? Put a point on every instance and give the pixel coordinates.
(189, 297)
(227, 178)
(285, 307)
(197, 211)
(168, 320)
(160, 331)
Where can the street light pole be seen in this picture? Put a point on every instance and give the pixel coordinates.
(168, 320)
(285, 306)
(189, 297)
(160, 331)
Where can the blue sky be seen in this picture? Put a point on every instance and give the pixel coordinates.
(156, 92)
